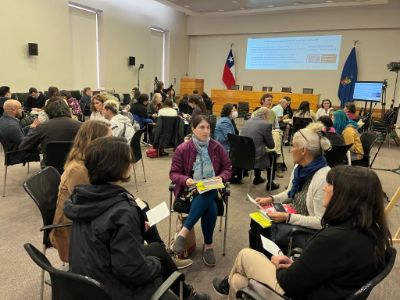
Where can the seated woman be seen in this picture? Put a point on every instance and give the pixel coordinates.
(72, 102)
(120, 125)
(139, 110)
(198, 106)
(224, 126)
(107, 239)
(350, 110)
(325, 109)
(199, 158)
(348, 129)
(74, 173)
(305, 190)
(167, 109)
(347, 253)
(305, 112)
(330, 132)
(154, 106)
(96, 106)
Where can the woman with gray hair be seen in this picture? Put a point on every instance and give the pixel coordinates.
(305, 190)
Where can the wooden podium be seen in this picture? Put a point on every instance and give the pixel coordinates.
(188, 85)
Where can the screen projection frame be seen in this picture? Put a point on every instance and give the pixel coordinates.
(368, 100)
(294, 53)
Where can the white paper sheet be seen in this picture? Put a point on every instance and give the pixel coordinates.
(270, 246)
(251, 199)
(140, 203)
(158, 213)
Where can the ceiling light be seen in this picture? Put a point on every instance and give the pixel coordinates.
(329, 1)
(242, 8)
(221, 10)
(234, 1)
(269, 6)
(187, 6)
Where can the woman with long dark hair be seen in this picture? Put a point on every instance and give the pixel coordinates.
(347, 253)
(304, 111)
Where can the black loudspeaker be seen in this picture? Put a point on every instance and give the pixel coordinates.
(131, 60)
(33, 49)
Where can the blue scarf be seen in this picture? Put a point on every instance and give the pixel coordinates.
(202, 167)
(302, 174)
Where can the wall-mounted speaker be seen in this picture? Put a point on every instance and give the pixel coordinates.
(33, 49)
(131, 60)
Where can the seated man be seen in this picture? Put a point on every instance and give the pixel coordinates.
(120, 125)
(5, 94)
(11, 131)
(260, 131)
(59, 127)
(36, 100)
(86, 99)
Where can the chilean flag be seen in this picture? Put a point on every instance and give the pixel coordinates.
(228, 77)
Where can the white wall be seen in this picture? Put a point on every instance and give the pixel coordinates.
(124, 31)
(377, 28)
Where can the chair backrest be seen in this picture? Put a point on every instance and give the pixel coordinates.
(76, 94)
(337, 155)
(117, 96)
(242, 152)
(367, 140)
(56, 154)
(267, 88)
(4, 146)
(168, 132)
(235, 87)
(67, 285)
(308, 90)
(247, 88)
(366, 289)
(286, 89)
(300, 123)
(42, 187)
(135, 145)
(213, 121)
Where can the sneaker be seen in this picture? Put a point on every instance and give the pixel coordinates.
(279, 173)
(258, 180)
(196, 295)
(221, 286)
(208, 257)
(182, 263)
(179, 245)
(274, 186)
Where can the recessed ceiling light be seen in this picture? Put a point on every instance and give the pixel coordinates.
(329, 1)
(270, 6)
(221, 10)
(187, 6)
(234, 1)
(242, 8)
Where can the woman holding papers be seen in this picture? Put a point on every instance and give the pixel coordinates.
(199, 158)
(305, 190)
(347, 253)
(107, 239)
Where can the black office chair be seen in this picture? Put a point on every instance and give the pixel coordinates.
(71, 286)
(168, 132)
(367, 140)
(235, 87)
(76, 94)
(137, 153)
(56, 153)
(242, 154)
(183, 207)
(126, 99)
(337, 155)
(298, 123)
(308, 90)
(247, 88)
(42, 187)
(15, 157)
(267, 88)
(258, 291)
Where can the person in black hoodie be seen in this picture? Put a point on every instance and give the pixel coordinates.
(342, 257)
(107, 238)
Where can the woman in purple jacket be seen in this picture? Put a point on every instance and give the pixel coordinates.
(199, 158)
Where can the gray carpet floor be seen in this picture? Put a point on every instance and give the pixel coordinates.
(20, 221)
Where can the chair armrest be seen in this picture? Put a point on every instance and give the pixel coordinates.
(167, 284)
(248, 292)
(296, 230)
(53, 226)
(171, 187)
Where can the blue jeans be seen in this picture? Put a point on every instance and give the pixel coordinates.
(204, 206)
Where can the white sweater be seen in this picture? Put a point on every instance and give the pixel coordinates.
(315, 195)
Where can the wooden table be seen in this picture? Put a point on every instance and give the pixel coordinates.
(220, 97)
